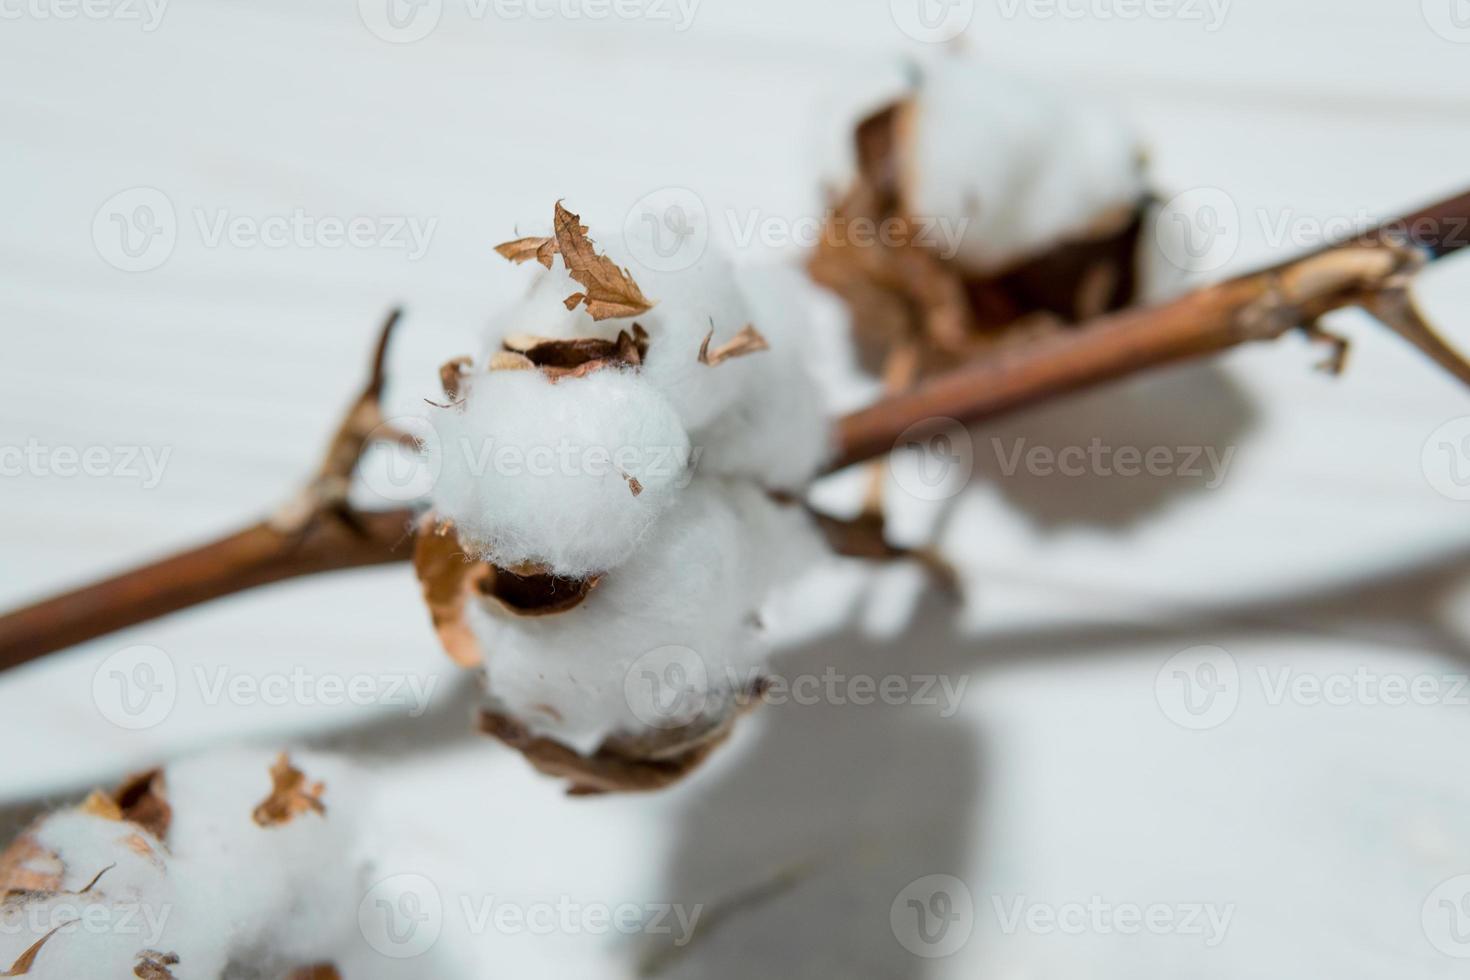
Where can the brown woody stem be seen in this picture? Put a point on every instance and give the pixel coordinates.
(1372, 271)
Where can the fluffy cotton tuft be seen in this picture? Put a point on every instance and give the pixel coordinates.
(685, 608)
(1001, 166)
(532, 471)
(758, 416)
(1026, 166)
(221, 893)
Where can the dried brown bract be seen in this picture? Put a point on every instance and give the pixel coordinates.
(610, 291)
(448, 577)
(622, 764)
(747, 341)
(290, 796)
(526, 249)
(904, 295)
(23, 965)
(153, 965)
(576, 356)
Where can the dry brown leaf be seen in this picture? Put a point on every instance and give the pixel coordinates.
(633, 484)
(290, 796)
(637, 763)
(747, 341)
(153, 965)
(448, 578)
(526, 249)
(27, 959)
(610, 291)
(579, 356)
(574, 300)
(100, 804)
(605, 771)
(96, 878)
(451, 376)
(143, 799)
(26, 866)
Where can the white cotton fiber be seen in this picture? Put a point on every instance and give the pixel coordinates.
(532, 471)
(1025, 166)
(696, 584)
(758, 416)
(997, 166)
(222, 893)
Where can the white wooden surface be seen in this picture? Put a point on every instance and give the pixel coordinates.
(1326, 550)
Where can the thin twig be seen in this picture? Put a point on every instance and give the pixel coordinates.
(1373, 271)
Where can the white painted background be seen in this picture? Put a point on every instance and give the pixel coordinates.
(1326, 550)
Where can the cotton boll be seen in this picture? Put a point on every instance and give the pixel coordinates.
(782, 435)
(542, 472)
(294, 887)
(1026, 167)
(687, 601)
(757, 416)
(688, 303)
(219, 896)
(103, 929)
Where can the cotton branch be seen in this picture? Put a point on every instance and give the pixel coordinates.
(319, 532)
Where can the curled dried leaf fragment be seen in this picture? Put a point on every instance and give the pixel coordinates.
(143, 799)
(608, 770)
(525, 249)
(628, 763)
(747, 341)
(451, 378)
(290, 796)
(155, 965)
(610, 291)
(448, 577)
(23, 965)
